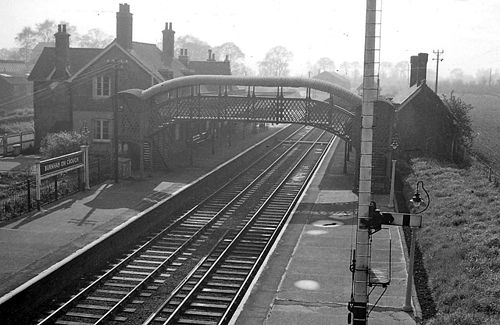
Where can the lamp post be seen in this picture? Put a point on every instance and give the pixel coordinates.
(416, 202)
(394, 146)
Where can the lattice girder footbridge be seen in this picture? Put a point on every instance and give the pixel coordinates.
(254, 99)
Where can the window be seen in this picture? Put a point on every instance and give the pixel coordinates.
(101, 130)
(102, 86)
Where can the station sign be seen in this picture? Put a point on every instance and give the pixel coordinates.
(61, 164)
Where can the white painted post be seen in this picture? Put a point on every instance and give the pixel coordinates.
(370, 90)
(409, 279)
(393, 177)
(86, 167)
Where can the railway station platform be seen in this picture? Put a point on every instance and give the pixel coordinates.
(33, 243)
(306, 280)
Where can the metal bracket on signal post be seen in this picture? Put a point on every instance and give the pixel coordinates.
(377, 219)
(403, 219)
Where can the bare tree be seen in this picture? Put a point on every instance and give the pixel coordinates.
(385, 70)
(71, 29)
(324, 64)
(235, 55)
(355, 73)
(95, 38)
(45, 31)
(402, 70)
(10, 54)
(276, 62)
(345, 69)
(482, 76)
(27, 39)
(197, 49)
(232, 50)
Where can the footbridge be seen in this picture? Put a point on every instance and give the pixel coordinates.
(254, 99)
(149, 119)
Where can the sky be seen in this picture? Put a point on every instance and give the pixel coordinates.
(467, 30)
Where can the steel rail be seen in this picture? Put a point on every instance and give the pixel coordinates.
(81, 295)
(266, 249)
(235, 240)
(196, 235)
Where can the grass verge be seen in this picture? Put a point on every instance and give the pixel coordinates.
(460, 243)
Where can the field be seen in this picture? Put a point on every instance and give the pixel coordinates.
(486, 123)
(459, 243)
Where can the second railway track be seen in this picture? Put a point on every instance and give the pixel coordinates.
(196, 270)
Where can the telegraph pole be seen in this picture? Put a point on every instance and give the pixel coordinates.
(437, 67)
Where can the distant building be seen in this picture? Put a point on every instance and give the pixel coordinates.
(15, 89)
(331, 77)
(74, 86)
(334, 78)
(423, 123)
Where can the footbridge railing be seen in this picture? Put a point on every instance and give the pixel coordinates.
(259, 99)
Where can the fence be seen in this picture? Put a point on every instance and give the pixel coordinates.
(16, 143)
(19, 197)
(493, 176)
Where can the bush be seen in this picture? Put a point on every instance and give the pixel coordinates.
(57, 144)
(461, 112)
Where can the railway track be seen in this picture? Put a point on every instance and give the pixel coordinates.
(196, 270)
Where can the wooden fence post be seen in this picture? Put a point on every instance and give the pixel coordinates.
(29, 193)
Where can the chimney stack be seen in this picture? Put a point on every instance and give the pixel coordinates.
(418, 72)
(422, 67)
(124, 26)
(184, 58)
(62, 53)
(413, 70)
(168, 43)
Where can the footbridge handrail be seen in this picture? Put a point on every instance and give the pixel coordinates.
(347, 96)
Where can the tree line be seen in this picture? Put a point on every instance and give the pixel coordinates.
(44, 32)
(276, 61)
(393, 77)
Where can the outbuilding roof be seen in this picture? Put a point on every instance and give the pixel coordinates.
(78, 58)
(13, 67)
